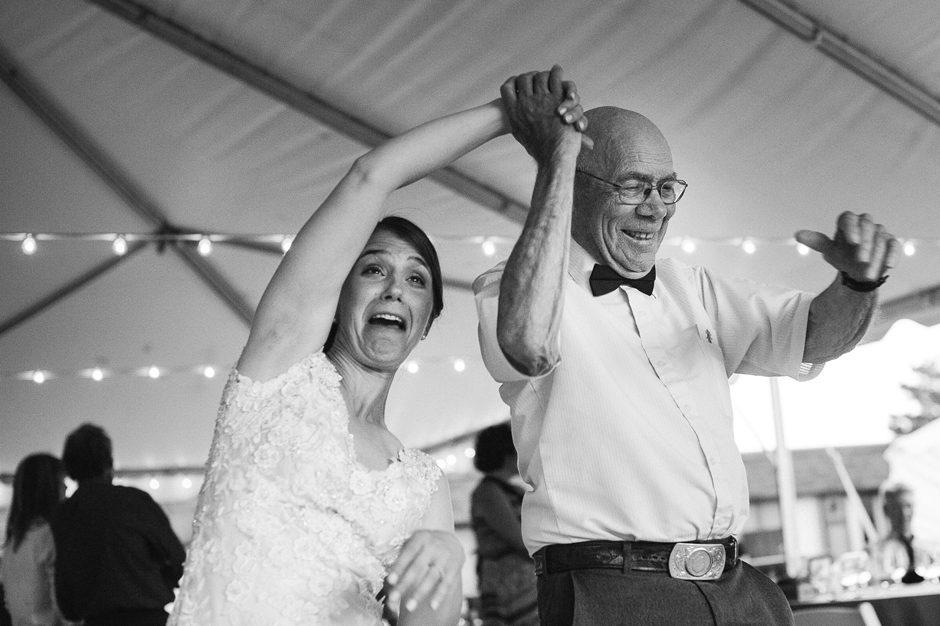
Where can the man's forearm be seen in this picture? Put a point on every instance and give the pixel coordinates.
(532, 287)
(838, 319)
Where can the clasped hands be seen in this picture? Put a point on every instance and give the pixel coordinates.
(545, 113)
(862, 249)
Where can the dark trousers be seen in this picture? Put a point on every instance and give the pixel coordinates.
(129, 617)
(608, 597)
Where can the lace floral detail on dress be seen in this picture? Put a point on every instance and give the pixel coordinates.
(290, 528)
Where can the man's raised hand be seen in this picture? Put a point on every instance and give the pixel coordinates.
(862, 249)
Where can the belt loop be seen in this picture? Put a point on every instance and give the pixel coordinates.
(626, 550)
(539, 559)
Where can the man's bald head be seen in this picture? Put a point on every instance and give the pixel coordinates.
(621, 137)
(627, 147)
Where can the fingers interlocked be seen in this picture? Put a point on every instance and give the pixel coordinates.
(543, 110)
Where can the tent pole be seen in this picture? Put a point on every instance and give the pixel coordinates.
(786, 486)
(44, 303)
(119, 181)
(837, 47)
(306, 102)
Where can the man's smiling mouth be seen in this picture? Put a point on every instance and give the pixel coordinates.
(640, 235)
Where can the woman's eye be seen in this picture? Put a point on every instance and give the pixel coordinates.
(419, 279)
(372, 269)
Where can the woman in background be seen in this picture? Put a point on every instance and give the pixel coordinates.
(27, 568)
(505, 571)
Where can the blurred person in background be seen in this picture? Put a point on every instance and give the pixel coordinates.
(505, 571)
(898, 557)
(117, 558)
(27, 568)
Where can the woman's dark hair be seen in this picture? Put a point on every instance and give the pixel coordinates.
(37, 489)
(87, 453)
(493, 445)
(410, 233)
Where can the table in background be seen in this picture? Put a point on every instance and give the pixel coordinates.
(897, 605)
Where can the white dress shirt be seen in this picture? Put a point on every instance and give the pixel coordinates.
(630, 435)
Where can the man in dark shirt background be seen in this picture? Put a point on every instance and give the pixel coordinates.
(117, 558)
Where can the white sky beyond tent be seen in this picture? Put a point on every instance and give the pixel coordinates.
(177, 119)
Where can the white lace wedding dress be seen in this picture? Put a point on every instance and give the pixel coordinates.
(290, 529)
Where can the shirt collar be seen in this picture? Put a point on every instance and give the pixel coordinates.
(580, 265)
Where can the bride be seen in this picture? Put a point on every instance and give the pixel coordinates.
(311, 509)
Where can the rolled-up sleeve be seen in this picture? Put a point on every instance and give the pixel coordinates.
(763, 328)
(486, 296)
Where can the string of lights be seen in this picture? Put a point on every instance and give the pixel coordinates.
(154, 372)
(30, 242)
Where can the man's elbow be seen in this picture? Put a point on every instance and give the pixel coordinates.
(528, 357)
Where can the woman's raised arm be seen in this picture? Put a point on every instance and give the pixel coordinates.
(296, 311)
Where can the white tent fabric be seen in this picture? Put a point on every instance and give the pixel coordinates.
(112, 123)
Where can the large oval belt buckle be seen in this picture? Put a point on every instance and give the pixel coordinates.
(697, 561)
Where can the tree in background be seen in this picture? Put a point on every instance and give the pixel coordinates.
(927, 393)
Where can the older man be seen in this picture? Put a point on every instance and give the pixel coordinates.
(615, 365)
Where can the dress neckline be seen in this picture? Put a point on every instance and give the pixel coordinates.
(306, 364)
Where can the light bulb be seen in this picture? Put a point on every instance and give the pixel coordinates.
(39, 377)
(29, 244)
(286, 243)
(119, 245)
(412, 367)
(802, 249)
(688, 246)
(153, 372)
(489, 248)
(469, 453)
(909, 248)
(187, 483)
(154, 483)
(204, 246)
(748, 246)
(97, 374)
(460, 365)
(208, 371)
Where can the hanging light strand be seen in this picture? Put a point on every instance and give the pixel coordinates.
(489, 245)
(97, 374)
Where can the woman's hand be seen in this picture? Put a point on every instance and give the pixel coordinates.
(428, 567)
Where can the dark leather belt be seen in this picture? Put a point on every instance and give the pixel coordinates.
(696, 560)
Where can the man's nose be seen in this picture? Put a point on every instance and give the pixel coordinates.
(653, 206)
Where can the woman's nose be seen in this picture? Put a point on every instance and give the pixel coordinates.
(393, 290)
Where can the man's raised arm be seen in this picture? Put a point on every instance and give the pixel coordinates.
(545, 118)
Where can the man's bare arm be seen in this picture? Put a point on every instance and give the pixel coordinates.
(532, 287)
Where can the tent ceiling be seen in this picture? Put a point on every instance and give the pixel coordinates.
(772, 133)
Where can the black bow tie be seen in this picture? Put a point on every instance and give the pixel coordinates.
(604, 280)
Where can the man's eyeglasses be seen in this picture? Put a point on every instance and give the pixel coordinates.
(635, 191)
